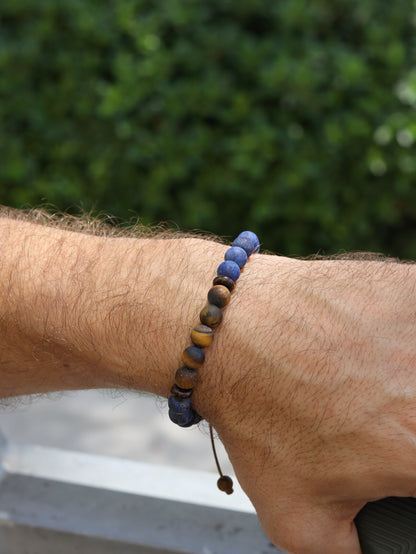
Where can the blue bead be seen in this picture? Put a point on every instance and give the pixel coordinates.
(253, 237)
(185, 419)
(196, 418)
(179, 405)
(237, 255)
(230, 269)
(248, 241)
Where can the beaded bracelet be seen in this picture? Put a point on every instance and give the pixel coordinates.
(181, 411)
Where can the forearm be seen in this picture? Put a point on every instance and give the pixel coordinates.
(83, 311)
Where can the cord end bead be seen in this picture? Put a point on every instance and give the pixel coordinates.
(225, 484)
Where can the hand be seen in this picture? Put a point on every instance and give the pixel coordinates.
(311, 385)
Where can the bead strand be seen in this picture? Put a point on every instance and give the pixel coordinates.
(180, 406)
(181, 411)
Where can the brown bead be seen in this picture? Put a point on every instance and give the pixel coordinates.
(181, 393)
(225, 484)
(202, 335)
(186, 378)
(211, 315)
(193, 357)
(219, 296)
(225, 281)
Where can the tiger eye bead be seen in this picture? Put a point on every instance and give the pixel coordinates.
(193, 357)
(219, 296)
(224, 280)
(211, 315)
(202, 335)
(186, 378)
(181, 393)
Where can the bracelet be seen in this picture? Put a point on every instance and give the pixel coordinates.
(181, 411)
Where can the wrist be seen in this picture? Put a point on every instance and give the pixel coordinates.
(246, 343)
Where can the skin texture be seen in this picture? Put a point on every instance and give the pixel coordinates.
(310, 380)
(322, 387)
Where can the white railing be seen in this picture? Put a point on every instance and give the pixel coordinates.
(59, 502)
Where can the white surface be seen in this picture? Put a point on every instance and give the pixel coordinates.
(122, 424)
(168, 483)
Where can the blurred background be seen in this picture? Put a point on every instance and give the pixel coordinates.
(295, 119)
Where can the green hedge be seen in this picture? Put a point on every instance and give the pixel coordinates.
(290, 117)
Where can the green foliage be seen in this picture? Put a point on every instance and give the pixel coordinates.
(295, 119)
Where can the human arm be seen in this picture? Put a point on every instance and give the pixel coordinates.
(309, 382)
(91, 311)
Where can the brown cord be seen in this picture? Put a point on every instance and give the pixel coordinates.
(224, 483)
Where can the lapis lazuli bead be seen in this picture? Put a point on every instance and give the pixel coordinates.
(237, 255)
(196, 418)
(183, 419)
(248, 241)
(229, 269)
(179, 405)
(251, 236)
